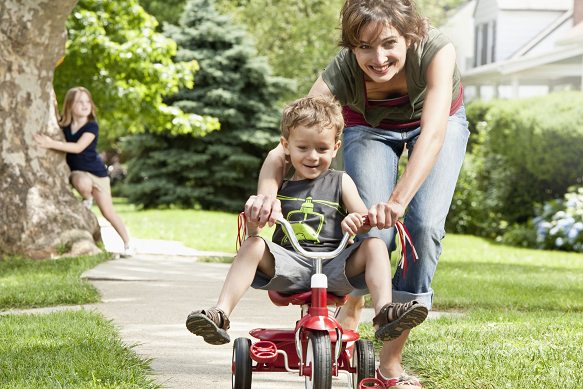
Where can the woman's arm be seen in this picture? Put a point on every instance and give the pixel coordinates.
(68, 147)
(434, 120)
(320, 88)
(265, 207)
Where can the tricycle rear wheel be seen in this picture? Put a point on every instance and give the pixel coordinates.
(319, 355)
(363, 361)
(242, 364)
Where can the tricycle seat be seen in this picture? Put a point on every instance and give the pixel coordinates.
(283, 300)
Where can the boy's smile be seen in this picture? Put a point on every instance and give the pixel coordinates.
(311, 150)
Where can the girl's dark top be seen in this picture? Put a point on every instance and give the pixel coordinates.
(87, 160)
(313, 208)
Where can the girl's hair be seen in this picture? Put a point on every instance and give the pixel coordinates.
(400, 14)
(70, 97)
(310, 111)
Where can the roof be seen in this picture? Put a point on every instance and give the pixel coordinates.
(539, 5)
(575, 35)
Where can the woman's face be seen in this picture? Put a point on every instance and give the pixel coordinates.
(81, 105)
(381, 56)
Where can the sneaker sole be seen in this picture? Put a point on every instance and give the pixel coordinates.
(412, 318)
(201, 325)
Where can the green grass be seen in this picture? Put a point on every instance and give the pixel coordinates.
(26, 283)
(477, 273)
(201, 230)
(67, 350)
(521, 324)
(497, 349)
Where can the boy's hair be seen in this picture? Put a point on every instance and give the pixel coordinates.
(309, 111)
(70, 97)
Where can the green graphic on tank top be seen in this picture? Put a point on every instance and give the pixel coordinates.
(302, 230)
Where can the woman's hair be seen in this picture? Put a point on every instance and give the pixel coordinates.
(400, 14)
(309, 111)
(70, 98)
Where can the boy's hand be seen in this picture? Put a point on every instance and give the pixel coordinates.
(354, 225)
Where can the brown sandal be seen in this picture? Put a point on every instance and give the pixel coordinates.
(394, 318)
(212, 324)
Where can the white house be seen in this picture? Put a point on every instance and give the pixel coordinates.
(518, 48)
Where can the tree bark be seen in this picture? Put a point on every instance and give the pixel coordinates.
(38, 210)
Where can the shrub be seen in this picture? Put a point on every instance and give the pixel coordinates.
(526, 152)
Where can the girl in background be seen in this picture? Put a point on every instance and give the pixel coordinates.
(88, 172)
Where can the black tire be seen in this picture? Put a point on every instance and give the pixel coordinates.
(242, 362)
(319, 353)
(364, 361)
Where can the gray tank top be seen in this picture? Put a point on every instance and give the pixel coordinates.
(313, 207)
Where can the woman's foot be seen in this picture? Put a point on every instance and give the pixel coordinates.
(394, 318)
(402, 382)
(212, 324)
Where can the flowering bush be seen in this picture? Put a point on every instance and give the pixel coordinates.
(559, 224)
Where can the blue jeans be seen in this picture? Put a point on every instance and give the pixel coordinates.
(371, 158)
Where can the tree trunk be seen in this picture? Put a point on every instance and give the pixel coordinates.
(38, 210)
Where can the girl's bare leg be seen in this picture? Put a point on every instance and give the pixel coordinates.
(83, 185)
(105, 205)
(253, 255)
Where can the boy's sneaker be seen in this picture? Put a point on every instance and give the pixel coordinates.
(88, 203)
(212, 324)
(128, 251)
(394, 318)
(403, 382)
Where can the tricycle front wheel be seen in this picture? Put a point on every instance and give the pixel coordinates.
(319, 356)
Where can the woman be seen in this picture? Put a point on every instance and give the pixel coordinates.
(88, 172)
(399, 86)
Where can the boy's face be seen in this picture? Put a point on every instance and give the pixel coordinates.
(311, 150)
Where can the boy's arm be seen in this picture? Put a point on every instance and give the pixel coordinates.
(355, 207)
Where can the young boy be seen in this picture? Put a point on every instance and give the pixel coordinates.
(324, 204)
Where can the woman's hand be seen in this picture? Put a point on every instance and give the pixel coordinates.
(44, 141)
(385, 215)
(262, 209)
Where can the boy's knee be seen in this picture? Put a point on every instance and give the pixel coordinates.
(253, 245)
(375, 244)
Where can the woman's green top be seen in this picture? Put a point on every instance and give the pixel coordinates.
(345, 79)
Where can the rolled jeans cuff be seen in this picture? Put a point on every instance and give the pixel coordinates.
(402, 297)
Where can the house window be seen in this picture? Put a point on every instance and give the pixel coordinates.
(484, 50)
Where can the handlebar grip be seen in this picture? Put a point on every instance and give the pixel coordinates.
(365, 220)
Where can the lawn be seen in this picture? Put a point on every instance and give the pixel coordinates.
(201, 230)
(69, 349)
(63, 349)
(26, 283)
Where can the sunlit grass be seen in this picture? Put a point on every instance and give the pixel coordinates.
(67, 349)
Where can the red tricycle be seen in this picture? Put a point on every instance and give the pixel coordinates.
(317, 348)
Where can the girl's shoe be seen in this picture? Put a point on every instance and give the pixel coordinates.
(128, 251)
(394, 318)
(403, 382)
(88, 203)
(212, 324)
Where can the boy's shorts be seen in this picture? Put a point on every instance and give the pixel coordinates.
(102, 184)
(293, 272)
